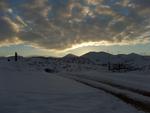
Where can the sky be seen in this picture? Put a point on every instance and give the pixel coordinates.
(60, 27)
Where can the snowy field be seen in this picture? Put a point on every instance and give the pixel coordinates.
(132, 80)
(25, 89)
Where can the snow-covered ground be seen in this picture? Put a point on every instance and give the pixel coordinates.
(28, 89)
(133, 87)
(131, 80)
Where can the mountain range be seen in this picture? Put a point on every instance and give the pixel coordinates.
(91, 60)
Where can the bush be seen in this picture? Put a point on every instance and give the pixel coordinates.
(48, 70)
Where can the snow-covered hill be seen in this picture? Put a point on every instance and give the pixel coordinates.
(134, 60)
(89, 61)
(48, 84)
(26, 88)
(56, 64)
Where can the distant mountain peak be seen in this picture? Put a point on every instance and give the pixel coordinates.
(70, 56)
(102, 53)
(134, 55)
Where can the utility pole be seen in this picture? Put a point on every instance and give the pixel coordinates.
(108, 63)
(16, 57)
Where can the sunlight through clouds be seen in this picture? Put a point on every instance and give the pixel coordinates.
(63, 25)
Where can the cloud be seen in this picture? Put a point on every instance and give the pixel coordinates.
(62, 24)
(3, 5)
(8, 28)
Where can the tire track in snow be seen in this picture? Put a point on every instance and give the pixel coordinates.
(139, 101)
(139, 91)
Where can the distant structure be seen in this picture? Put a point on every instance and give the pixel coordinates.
(16, 56)
(109, 66)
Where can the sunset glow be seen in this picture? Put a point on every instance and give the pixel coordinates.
(62, 26)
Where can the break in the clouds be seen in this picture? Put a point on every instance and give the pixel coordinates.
(61, 24)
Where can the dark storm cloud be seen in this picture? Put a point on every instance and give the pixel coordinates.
(59, 24)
